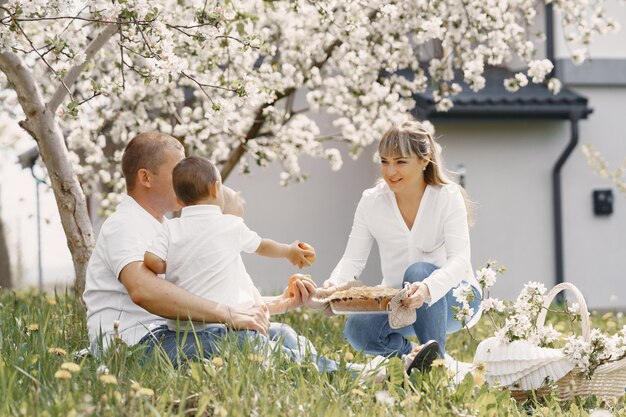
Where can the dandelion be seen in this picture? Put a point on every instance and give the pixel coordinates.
(33, 327)
(70, 366)
(62, 374)
(52, 301)
(348, 356)
(146, 392)
(479, 379)
(57, 351)
(255, 357)
(384, 398)
(439, 363)
(135, 386)
(108, 379)
(217, 361)
(102, 370)
(357, 392)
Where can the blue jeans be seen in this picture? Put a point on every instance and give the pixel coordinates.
(372, 334)
(179, 347)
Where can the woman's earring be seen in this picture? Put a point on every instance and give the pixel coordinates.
(424, 169)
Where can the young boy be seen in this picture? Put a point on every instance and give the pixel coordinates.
(200, 251)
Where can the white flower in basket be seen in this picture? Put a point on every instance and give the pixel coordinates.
(521, 355)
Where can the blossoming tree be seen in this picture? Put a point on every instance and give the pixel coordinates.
(85, 76)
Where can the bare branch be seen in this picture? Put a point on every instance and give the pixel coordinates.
(71, 77)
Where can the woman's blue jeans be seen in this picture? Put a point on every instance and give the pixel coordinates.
(371, 333)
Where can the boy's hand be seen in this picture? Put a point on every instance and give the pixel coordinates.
(298, 256)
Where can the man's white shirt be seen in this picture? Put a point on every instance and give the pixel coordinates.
(203, 249)
(124, 238)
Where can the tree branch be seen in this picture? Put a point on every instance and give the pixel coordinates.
(259, 118)
(72, 75)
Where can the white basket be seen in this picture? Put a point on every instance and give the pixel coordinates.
(607, 382)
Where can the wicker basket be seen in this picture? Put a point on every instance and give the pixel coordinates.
(607, 382)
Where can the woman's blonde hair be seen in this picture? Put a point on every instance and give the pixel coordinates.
(412, 138)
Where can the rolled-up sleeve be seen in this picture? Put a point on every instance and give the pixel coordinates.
(357, 250)
(457, 245)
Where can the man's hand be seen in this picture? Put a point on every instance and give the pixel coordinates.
(254, 318)
(298, 256)
(417, 292)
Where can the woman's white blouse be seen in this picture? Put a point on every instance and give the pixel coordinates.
(440, 235)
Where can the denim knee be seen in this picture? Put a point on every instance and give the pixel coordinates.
(355, 334)
(419, 271)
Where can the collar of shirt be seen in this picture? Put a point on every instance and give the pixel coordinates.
(130, 203)
(200, 210)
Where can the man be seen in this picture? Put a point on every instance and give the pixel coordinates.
(123, 296)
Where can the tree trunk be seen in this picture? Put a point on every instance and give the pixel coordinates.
(41, 124)
(5, 264)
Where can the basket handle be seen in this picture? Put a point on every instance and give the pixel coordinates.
(584, 313)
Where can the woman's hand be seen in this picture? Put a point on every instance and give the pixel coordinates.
(418, 292)
(328, 284)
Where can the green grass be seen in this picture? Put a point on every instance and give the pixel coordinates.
(241, 386)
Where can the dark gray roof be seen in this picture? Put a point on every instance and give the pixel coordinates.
(494, 102)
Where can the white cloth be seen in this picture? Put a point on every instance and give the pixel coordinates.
(202, 251)
(440, 235)
(124, 238)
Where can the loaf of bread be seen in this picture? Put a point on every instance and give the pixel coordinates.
(362, 299)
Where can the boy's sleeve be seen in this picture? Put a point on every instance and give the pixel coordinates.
(160, 244)
(249, 240)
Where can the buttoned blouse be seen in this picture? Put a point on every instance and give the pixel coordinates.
(440, 235)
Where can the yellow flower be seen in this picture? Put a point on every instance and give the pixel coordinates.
(62, 374)
(71, 366)
(255, 357)
(52, 301)
(479, 379)
(33, 327)
(480, 368)
(135, 386)
(439, 363)
(358, 392)
(217, 361)
(57, 351)
(413, 399)
(348, 356)
(146, 391)
(108, 379)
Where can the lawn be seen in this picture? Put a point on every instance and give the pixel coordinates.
(41, 333)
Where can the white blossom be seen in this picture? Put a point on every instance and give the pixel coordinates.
(554, 85)
(538, 69)
(490, 304)
(486, 277)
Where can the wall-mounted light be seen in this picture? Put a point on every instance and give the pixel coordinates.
(602, 202)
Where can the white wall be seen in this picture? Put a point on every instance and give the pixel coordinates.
(318, 211)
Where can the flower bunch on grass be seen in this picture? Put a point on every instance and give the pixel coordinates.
(517, 321)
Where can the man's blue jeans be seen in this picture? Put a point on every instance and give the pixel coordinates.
(372, 334)
(179, 347)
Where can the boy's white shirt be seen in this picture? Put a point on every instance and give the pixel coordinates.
(123, 239)
(440, 235)
(202, 252)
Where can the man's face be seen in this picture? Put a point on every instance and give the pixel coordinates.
(162, 186)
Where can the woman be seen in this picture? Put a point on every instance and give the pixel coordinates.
(419, 219)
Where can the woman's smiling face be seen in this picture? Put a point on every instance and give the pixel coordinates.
(402, 173)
